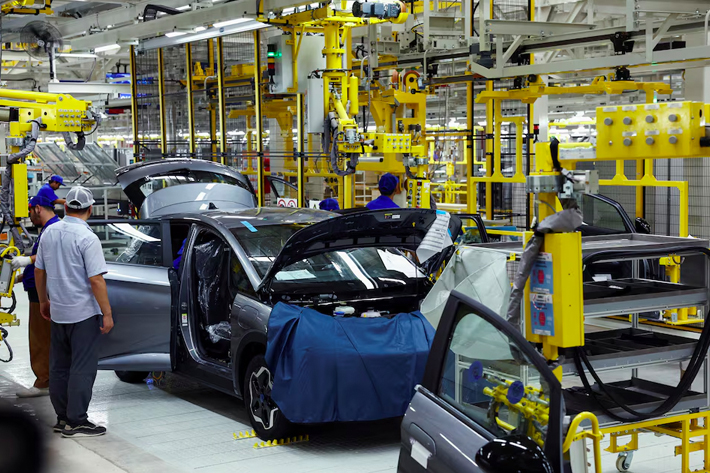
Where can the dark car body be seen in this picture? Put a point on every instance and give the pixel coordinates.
(208, 318)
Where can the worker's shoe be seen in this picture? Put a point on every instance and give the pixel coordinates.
(32, 392)
(59, 426)
(87, 429)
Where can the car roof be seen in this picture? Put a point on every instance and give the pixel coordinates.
(262, 216)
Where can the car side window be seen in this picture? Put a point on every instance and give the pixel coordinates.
(490, 380)
(125, 242)
(601, 214)
(239, 281)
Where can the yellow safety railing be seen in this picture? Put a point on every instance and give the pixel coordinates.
(595, 435)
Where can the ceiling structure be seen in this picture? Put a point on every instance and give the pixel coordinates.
(575, 34)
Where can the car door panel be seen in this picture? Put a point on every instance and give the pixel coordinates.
(140, 298)
(449, 419)
(450, 443)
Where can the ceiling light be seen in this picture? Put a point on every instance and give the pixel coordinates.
(108, 47)
(183, 8)
(78, 55)
(173, 34)
(200, 28)
(230, 22)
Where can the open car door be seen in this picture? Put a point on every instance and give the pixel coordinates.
(478, 361)
(140, 285)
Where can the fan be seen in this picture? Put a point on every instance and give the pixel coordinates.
(42, 40)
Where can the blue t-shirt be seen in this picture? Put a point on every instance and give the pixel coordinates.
(28, 275)
(47, 192)
(382, 202)
(176, 261)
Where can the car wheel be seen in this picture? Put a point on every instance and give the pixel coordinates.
(132, 377)
(265, 416)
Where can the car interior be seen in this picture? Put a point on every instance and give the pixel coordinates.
(212, 295)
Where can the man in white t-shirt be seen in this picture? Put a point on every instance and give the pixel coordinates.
(72, 294)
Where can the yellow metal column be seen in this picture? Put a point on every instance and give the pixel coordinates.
(489, 155)
(161, 101)
(470, 153)
(257, 117)
(301, 182)
(190, 109)
(134, 103)
(220, 102)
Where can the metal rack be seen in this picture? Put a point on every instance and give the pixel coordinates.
(634, 347)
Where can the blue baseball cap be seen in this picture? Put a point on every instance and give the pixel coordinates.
(40, 200)
(58, 179)
(388, 184)
(329, 204)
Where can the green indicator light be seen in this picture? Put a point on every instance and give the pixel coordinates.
(270, 54)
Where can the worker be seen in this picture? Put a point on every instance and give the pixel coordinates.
(42, 215)
(329, 204)
(388, 187)
(72, 293)
(48, 189)
(178, 260)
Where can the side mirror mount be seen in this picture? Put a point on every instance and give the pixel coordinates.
(642, 226)
(513, 454)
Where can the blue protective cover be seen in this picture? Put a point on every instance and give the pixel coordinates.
(335, 369)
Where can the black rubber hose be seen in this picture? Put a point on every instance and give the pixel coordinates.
(696, 360)
(9, 348)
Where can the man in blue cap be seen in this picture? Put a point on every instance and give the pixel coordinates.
(388, 186)
(42, 215)
(330, 204)
(47, 190)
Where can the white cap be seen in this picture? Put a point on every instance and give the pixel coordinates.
(79, 198)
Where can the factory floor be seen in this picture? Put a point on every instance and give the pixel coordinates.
(175, 425)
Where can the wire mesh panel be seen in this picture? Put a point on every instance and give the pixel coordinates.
(148, 103)
(238, 70)
(205, 100)
(176, 106)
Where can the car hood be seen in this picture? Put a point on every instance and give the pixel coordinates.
(127, 176)
(391, 228)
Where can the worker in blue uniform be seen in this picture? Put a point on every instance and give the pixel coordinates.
(388, 186)
(330, 204)
(47, 190)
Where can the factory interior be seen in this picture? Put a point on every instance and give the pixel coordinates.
(355, 236)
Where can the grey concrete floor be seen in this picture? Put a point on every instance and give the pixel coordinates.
(175, 425)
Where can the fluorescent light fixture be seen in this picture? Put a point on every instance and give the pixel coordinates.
(78, 55)
(230, 22)
(108, 47)
(174, 34)
(200, 28)
(183, 8)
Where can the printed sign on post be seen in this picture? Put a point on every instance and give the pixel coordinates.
(541, 275)
(284, 202)
(542, 316)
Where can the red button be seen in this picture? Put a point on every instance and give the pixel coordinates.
(541, 318)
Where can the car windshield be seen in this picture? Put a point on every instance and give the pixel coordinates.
(142, 188)
(357, 268)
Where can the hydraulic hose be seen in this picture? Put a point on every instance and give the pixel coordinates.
(350, 165)
(80, 142)
(694, 366)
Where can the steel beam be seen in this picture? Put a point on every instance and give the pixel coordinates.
(205, 16)
(535, 28)
(87, 88)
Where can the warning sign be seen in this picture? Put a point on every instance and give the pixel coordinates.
(283, 202)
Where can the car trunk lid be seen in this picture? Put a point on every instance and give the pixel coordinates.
(200, 182)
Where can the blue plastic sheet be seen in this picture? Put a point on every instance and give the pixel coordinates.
(333, 369)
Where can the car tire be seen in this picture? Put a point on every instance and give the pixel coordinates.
(132, 377)
(266, 418)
